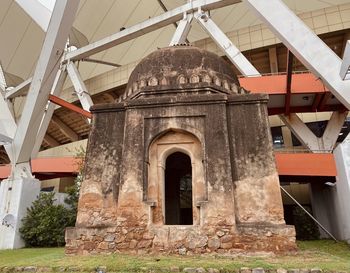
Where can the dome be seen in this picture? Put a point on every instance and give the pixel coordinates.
(182, 67)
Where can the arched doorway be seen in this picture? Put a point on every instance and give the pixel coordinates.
(178, 190)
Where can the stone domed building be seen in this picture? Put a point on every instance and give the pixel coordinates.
(182, 163)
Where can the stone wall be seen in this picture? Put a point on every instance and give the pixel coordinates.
(180, 240)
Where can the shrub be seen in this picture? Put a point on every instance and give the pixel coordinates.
(72, 201)
(306, 228)
(45, 222)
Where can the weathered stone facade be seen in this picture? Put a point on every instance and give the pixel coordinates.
(186, 102)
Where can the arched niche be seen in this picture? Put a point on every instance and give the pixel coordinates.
(167, 144)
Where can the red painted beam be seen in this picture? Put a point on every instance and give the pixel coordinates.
(316, 102)
(290, 58)
(70, 106)
(54, 166)
(306, 164)
(306, 109)
(276, 84)
(297, 164)
(324, 100)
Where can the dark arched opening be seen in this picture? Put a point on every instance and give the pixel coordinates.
(178, 190)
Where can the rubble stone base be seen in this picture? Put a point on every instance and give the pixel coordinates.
(181, 239)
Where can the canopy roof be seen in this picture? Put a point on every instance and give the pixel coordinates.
(22, 37)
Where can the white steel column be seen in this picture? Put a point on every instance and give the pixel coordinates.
(231, 51)
(18, 90)
(340, 193)
(307, 137)
(20, 189)
(304, 44)
(302, 132)
(44, 76)
(8, 127)
(38, 12)
(182, 30)
(333, 129)
(345, 66)
(79, 87)
(50, 108)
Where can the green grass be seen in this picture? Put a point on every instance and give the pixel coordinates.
(324, 254)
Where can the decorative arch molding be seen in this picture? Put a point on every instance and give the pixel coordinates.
(154, 130)
(162, 146)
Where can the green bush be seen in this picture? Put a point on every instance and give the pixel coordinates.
(306, 228)
(45, 222)
(72, 201)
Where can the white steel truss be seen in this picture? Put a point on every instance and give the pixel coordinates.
(304, 44)
(324, 144)
(182, 30)
(19, 90)
(79, 87)
(300, 40)
(38, 12)
(50, 108)
(44, 76)
(222, 41)
(147, 26)
(345, 66)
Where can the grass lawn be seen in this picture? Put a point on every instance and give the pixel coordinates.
(324, 254)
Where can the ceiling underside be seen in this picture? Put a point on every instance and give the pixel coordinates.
(21, 40)
(21, 37)
(260, 59)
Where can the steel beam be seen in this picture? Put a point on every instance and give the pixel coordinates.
(182, 30)
(316, 102)
(8, 125)
(222, 41)
(79, 86)
(304, 44)
(290, 58)
(50, 108)
(345, 66)
(146, 27)
(302, 132)
(333, 129)
(90, 60)
(19, 90)
(329, 138)
(44, 76)
(323, 103)
(70, 106)
(38, 12)
(166, 10)
(305, 109)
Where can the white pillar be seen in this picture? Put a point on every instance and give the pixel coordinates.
(16, 195)
(341, 191)
(331, 204)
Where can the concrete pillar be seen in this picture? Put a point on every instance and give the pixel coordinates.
(341, 191)
(16, 195)
(320, 206)
(331, 203)
(287, 137)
